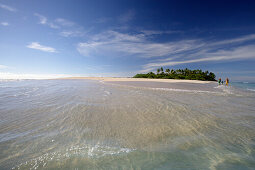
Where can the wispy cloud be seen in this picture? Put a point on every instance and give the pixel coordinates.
(128, 16)
(3, 67)
(67, 28)
(6, 7)
(156, 32)
(245, 52)
(120, 44)
(37, 46)
(64, 22)
(44, 21)
(72, 33)
(4, 23)
(56, 24)
(53, 25)
(235, 40)
(220, 51)
(113, 43)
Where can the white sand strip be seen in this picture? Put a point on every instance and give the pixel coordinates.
(140, 79)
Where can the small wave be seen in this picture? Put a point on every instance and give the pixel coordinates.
(5, 86)
(251, 90)
(185, 90)
(225, 89)
(107, 92)
(245, 82)
(169, 89)
(9, 80)
(88, 151)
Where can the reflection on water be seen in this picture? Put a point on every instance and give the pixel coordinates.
(81, 124)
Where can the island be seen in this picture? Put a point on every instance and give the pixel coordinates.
(179, 74)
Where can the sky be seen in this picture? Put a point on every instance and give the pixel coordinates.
(119, 38)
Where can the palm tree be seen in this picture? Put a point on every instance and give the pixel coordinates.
(172, 71)
(186, 71)
(168, 70)
(178, 71)
(158, 70)
(161, 69)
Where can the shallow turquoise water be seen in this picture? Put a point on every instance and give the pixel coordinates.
(250, 86)
(81, 124)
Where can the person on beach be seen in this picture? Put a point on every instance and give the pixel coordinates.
(227, 81)
(219, 81)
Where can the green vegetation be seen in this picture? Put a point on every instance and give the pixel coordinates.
(179, 74)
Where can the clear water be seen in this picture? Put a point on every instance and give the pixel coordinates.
(250, 86)
(81, 124)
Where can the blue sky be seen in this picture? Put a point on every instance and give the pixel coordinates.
(121, 38)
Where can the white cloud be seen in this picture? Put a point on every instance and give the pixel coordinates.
(64, 22)
(37, 46)
(53, 25)
(71, 33)
(113, 43)
(233, 54)
(74, 29)
(43, 19)
(120, 44)
(4, 23)
(15, 76)
(3, 67)
(66, 28)
(6, 7)
(235, 40)
(246, 52)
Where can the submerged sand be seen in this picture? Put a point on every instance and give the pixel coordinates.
(90, 124)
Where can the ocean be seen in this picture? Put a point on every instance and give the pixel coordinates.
(250, 86)
(86, 124)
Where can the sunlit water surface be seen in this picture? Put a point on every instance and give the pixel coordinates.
(82, 124)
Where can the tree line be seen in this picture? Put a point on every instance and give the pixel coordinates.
(179, 74)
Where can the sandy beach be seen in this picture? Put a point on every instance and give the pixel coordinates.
(112, 79)
(164, 84)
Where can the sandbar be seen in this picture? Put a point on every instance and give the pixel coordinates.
(112, 79)
(173, 84)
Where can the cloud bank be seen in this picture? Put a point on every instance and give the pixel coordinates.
(15, 76)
